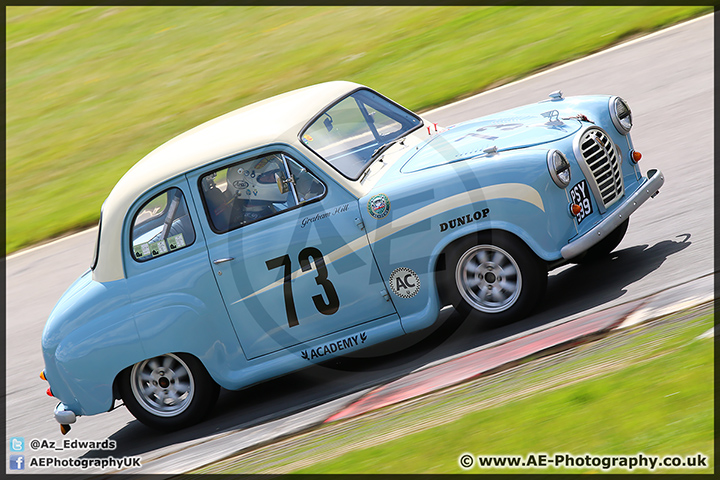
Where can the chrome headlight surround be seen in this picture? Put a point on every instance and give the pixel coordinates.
(621, 115)
(559, 168)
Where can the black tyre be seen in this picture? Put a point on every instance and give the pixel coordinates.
(493, 278)
(168, 392)
(603, 248)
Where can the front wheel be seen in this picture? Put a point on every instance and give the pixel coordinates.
(168, 392)
(493, 278)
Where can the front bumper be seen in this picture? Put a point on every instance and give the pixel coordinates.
(647, 190)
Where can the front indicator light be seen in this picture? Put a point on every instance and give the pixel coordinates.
(636, 156)
(575, 209)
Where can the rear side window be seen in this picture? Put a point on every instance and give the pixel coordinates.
(161, 226)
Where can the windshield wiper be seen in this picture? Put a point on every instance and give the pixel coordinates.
(381, 149)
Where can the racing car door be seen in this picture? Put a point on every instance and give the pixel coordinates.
(288, 252)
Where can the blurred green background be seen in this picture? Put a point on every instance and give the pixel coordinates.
(91, 90)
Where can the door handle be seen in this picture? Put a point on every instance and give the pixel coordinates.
(223, 260)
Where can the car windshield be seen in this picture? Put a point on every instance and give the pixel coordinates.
(348, 133)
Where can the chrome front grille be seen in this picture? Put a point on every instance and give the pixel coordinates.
(600, 161)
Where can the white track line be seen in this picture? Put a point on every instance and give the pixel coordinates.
(38, 247)
(642, 315)
(544, 72)
(648, 313)
(430, 112)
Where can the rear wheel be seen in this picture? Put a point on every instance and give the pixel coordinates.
(168, 392)
(493, 278)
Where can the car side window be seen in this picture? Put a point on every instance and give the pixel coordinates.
(248, 191)
(162, 225)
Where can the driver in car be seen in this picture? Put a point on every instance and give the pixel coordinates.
(255, 190)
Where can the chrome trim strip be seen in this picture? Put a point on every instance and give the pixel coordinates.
(647, 190)
(64, 415)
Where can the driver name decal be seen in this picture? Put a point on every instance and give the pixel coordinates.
(320, 216)
(334, 347)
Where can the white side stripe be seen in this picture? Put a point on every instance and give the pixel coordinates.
(517, 191)
(341, 252)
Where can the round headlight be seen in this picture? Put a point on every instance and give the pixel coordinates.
(621, 115)
(559, 168)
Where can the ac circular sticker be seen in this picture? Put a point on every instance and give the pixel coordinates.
(404, 282)
(379, 206)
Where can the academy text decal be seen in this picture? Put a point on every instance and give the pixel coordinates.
(456, 222)
(334, 347)
(379, 206)
(404, 282)
(320, 216)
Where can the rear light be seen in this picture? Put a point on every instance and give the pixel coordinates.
(42, 375)
(49, 392)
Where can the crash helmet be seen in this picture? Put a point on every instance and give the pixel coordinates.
(256, 180)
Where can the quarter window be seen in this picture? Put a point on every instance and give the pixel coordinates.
(162, 225)
(252, 190)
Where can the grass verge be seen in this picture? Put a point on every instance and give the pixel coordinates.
(91, 90)
(648, 389)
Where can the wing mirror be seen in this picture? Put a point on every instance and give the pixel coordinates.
(328, 122)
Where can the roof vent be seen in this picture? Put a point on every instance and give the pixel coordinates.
(556, 95)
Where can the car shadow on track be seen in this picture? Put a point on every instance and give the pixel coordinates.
(571, 291)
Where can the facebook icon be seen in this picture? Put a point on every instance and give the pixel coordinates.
(17, 462)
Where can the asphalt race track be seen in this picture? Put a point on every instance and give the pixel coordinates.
(667, 78)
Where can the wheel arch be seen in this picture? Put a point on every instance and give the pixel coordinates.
(440, 257)
(192, 399)
(519, 272)
(506, 229)
(118, 375)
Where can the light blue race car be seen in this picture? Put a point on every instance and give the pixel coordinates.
(322, 221)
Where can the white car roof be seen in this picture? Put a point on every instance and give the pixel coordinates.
(277, 119)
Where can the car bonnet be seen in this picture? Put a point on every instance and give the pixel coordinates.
(520, 128)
